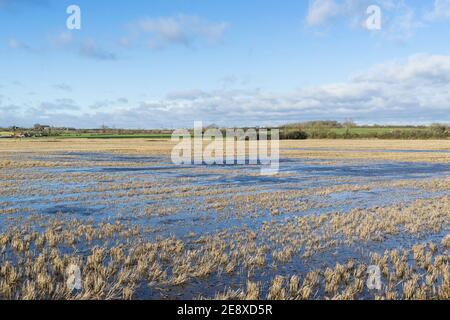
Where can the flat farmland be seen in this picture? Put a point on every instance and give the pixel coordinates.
(139, 227)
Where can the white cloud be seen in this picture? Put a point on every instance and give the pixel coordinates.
(18, 45)
(38, 3)
(399, 20)
(124, 42)
(422, 68)
(59, 104)
(413, 90)
(62, 40)
(177, 30)
(321, 11)
(89, 49)
(441, 10)
(63, 87)
(382, 94)
(187, 95)
(110, 104)
(65, 41)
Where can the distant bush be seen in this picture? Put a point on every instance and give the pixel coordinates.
(319, 132)
(314, 124)
(294, 135)
(430, 133)
(440, 130)
(325, 123)
(350, 130)
(332, 135)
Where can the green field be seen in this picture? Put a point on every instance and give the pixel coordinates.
(359, 130)
(394, 132)
(113, 136)
(338, 131)
(288, 132)
(365, 130)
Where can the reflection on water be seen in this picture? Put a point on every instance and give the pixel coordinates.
(79, 198)
(190, 201)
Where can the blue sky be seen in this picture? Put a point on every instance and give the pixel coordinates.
(148, 64)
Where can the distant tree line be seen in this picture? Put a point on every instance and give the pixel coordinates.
(349, 130)
(328, 129)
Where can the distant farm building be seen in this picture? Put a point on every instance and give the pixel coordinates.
(40, 127)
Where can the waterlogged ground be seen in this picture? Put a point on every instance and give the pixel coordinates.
(139, 227)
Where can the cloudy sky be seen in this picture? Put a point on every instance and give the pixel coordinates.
(168, 63)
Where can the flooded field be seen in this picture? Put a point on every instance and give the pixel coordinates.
(139, 227)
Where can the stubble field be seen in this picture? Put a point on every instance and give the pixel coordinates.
(139, 227)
